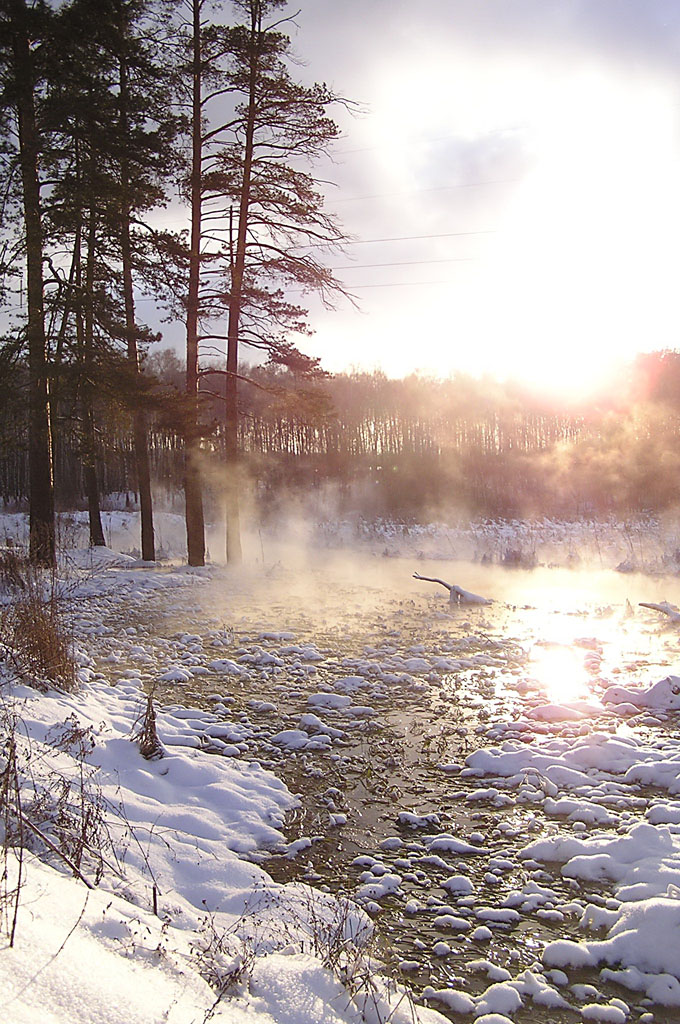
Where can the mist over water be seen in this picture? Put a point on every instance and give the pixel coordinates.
(334, 566)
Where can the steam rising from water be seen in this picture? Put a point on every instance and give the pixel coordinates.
(579, 628)
(301, 534)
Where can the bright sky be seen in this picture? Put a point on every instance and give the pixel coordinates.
(513, 189)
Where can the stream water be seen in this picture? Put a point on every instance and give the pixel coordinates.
(430, 681)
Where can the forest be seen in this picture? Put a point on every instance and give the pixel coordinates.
(123, 121)
(151, 150)
(414, 448)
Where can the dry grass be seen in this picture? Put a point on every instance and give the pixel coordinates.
(146, 735)
(32, 629)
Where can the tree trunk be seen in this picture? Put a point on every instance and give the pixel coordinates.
(234, 553)
(58, 355)
(141, 441)
(87, 397)
(192, 450)
(42, 549)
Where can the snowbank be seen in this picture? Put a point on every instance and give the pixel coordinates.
(165, 912)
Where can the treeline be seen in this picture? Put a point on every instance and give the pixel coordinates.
(111, 112)
(414, 448)
(421, 447)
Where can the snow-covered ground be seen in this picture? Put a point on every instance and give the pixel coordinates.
(168, 906)
(540, 881)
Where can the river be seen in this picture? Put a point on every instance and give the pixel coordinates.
(431, 683)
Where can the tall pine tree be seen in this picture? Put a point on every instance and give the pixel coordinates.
(282, 124)
(24, 37)
(267, 228)
(114, 114)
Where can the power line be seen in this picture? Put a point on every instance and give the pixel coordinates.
(391, 284)
(395, 284)
(422, 191)
(407, 238)
(405, 263)
(413, 238)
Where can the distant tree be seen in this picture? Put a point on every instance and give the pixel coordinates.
(24, 38)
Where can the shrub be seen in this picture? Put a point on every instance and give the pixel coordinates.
(32, 627)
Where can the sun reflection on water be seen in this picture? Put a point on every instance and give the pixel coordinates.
(561, 672)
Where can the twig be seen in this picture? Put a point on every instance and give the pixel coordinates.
(55, 849)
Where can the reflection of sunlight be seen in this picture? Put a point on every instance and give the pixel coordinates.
(561, 672)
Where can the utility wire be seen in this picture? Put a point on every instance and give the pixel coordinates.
(397, 284)
(391, 284)
(405, 263)
(421, 191)
(406, 238)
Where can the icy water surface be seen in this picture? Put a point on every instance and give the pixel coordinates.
(426, 684)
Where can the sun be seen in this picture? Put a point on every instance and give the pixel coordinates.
(558, 278)
(582, 270)
(560, 671)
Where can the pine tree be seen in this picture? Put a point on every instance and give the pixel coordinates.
(111, 111)
(147, 133)
(266, 213)
(280, 210)
(24, 30)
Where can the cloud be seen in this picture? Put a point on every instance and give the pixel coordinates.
(345, 43)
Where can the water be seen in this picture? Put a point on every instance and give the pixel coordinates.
(556, 633)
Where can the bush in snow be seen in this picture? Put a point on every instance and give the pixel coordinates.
(34, 637)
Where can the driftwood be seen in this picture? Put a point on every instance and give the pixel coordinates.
(456, 594)
(671, 610)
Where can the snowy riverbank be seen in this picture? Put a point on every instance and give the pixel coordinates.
(181, 911)
(518, 826)
(645, 542)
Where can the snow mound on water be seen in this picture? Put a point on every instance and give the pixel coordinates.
(642, 943)
(662, 696)
(642, 932)
(644, 862)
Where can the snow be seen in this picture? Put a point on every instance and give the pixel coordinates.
(333, 701)
(176, 896)
(546, 796)
(459, 1002)
(499, 998)
(663, 695)
(458, 884)
(608, 1014)
(89, 956)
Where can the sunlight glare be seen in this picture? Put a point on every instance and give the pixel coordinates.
(561, 672)
(574, 271)
(585, 262)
